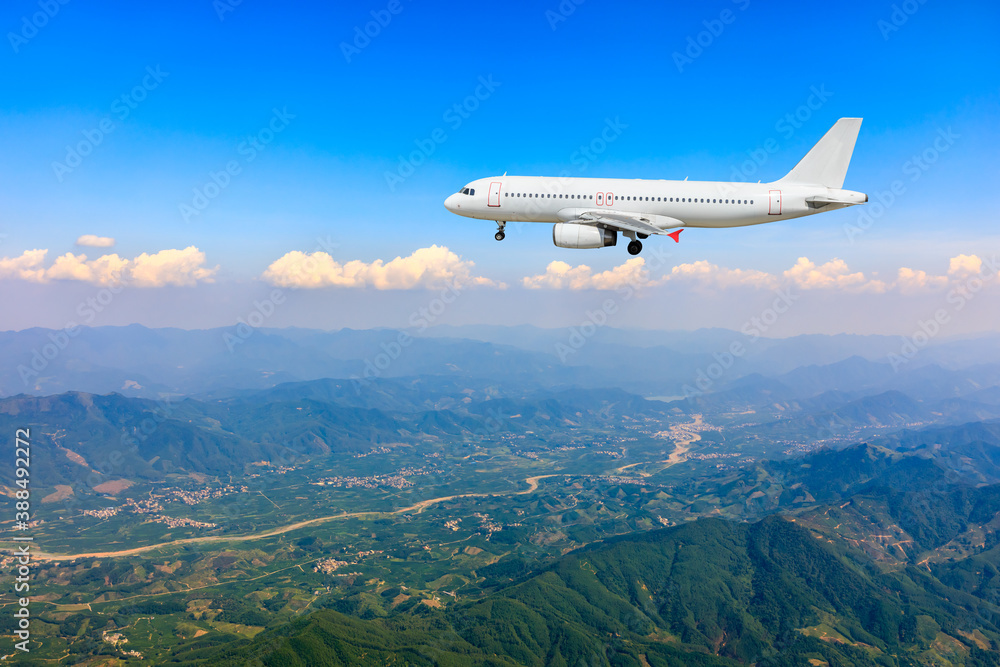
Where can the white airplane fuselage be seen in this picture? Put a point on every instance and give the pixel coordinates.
(669, 204)
(591, 212)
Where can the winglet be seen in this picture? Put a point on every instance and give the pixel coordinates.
(676, 236)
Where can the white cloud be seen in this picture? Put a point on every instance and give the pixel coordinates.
(171, 267)
(832, 275)
(105, 270)
(560, 275)
(26, 267)
(431, 267)
(964, 265)
(910, 280)
(805, 274)
(167, 267)
(92, 241)
(713, 275)
(960, 269)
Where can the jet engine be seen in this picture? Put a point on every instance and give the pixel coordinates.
(572, 235)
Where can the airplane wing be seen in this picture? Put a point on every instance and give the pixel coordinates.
(623, 222)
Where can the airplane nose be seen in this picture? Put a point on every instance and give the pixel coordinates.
(451, 203)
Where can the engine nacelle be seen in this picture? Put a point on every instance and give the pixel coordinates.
(572, 235)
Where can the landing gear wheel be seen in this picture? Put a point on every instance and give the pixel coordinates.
(499, 236)
(642, 236)
(634, 248)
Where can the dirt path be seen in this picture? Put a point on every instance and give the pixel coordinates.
(417, 507)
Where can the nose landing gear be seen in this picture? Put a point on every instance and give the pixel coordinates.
(499, 236)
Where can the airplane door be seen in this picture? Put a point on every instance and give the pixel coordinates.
(600, 199)
(494, 198)
(775, 208)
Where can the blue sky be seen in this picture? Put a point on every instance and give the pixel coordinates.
(560, 72)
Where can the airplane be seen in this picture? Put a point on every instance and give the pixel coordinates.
(590, 212)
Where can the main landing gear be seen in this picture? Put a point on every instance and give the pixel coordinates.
(499, 236)
(634, 248)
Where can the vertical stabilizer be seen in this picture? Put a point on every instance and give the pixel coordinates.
(826, 164)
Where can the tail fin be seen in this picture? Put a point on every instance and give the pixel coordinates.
(826, 164)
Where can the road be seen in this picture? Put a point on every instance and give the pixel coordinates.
(532, 483)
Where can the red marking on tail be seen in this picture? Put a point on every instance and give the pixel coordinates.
(676, 236)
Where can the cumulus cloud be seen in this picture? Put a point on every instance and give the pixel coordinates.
(171, 267)
(963, 265)
(560, 275)
(910, 280)
(105, 270)
(26, 267)
(167, 267)
(833, 275)
(92, 241)
(805, 274)
(960, 269)
(713, 275)
(432, 267)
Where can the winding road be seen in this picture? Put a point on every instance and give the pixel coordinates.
(532, 483)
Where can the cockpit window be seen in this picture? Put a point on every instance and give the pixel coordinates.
(472, 191)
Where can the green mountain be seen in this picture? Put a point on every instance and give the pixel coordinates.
(710, 592)
(102, 437)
